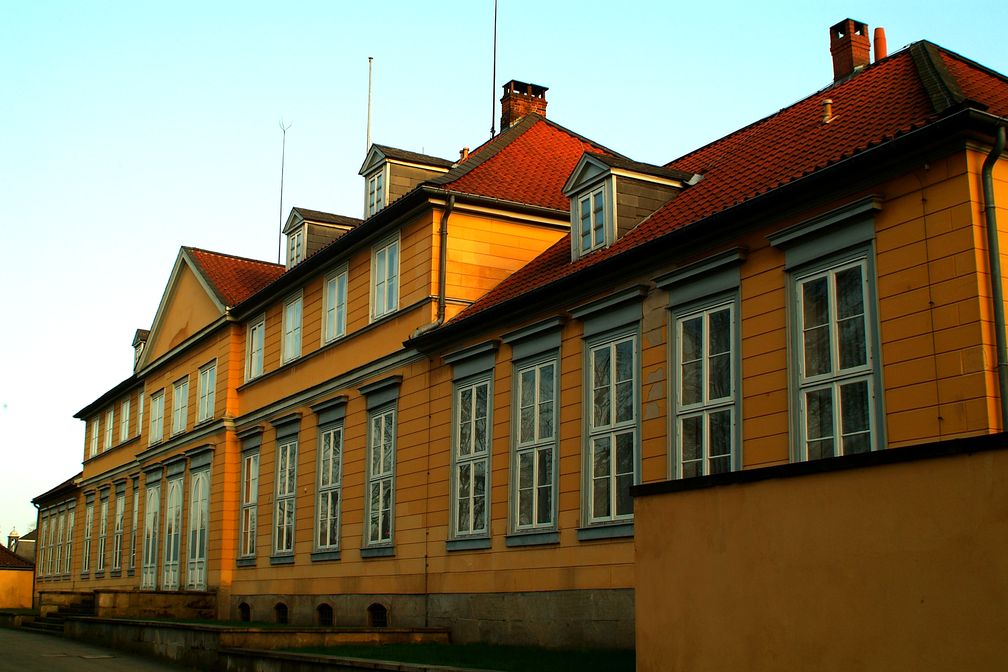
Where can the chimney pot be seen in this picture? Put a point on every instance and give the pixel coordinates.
(850, 48)
(519, 99)
(880, 43)
(463, 154)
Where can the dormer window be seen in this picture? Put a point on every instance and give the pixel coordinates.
(610, 195)
(591, 218)
(295, 247)
(376, 193)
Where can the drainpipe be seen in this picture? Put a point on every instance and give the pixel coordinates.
(442, 272)
(994, 254)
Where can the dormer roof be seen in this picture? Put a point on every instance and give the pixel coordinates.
(377, 154)
(299, 216)
(593, 166)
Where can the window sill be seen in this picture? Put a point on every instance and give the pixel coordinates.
(287, 559)
(325, 556)
(115, 574)
(380, 552)
(204, 421)
(532, 538)
(245, 562)
(85, 575)
(99, 574)
(612, 531)
(130, 572)
(479, 544)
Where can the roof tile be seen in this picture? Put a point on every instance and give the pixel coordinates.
(234, 278)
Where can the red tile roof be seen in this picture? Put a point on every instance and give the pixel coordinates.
(234, 278)
(886, 100)
(527, 163)
(9, 560)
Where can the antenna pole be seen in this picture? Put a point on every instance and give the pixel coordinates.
(493, 83)
(369, 60)
(283, 157)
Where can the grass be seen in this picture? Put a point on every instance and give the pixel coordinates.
(487, 657)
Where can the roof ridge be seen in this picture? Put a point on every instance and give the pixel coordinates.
(939, 84)
(488, 150)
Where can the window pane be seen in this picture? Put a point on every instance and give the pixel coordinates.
(720, 377)
(601, 377)
(854, 417)
(692, 437)
(850, 293)
(819, 422)
(720, 434)
(817, 356)
(692, 343)
(853, 347)
(815, 321)
(692, 374)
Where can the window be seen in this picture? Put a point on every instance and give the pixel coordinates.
(133, 526)
(94, 438)
(612, 428)
(591, 220)
(152, 514)
(334, 311)
(705, 391)
(207, 385)
(329, 488)
(535, 446)
(140, 410)
(385, 278)
(836, 379)
(173, 535)
(199, 511)
(376, 192)
(58, 565)
(88, 525)
(124, 418)
(68, 554)
(292, 328)
(42, 539)
(102, 534)
(117, 531)
(471, 459)
(295, 247)
(250, 497)
(180, 405)
(254, 348)
(381, 464)
(286, 490)
(157, 416)
(109, 423)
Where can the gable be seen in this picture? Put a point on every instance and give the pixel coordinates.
(185, 309)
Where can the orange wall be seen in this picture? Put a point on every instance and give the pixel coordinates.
(15, 589)
(894, 567)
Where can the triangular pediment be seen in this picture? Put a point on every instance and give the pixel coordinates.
(187, 306)
(588, 170)
(375, 157)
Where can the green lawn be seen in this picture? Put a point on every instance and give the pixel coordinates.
(486, 657)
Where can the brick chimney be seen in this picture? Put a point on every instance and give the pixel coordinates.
(850, 47)
(519, 99)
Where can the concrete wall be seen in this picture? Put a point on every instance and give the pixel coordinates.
(890, 567)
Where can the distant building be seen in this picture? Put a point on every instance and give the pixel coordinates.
(16, 575)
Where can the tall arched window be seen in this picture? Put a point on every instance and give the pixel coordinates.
(198, 513)
(173, 535)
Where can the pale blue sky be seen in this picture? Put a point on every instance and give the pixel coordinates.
(128, 129)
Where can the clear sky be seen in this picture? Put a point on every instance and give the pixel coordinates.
(128, 129)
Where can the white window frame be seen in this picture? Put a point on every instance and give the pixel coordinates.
(704, 408)
(124, 418)
(292, 318)
(199, 513)
(157, 417)
(296, 246)
(285, 511)
(334, 309)
(837, 378)
(613, 428)
(329, 487)
(109, 425)
(173, 533)
(102, 534)
(43, 539)
(117, 532)
(58, 564)
(95, 426)
(133, 527)
(379, 521)
(88, 525)
(375, 192)
(384, 278)
(152, 518)
(469, 487)
(537, 447)
(140, 409)
(68, 558)
(255, 342)
(249, 504)
(180, 405)
(207, 392)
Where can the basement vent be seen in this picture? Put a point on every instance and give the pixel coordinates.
(324, 612)
(377, 616)
(280, 613)
(244, 612)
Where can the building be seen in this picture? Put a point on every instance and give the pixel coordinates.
(16, 575)
(436, 415)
